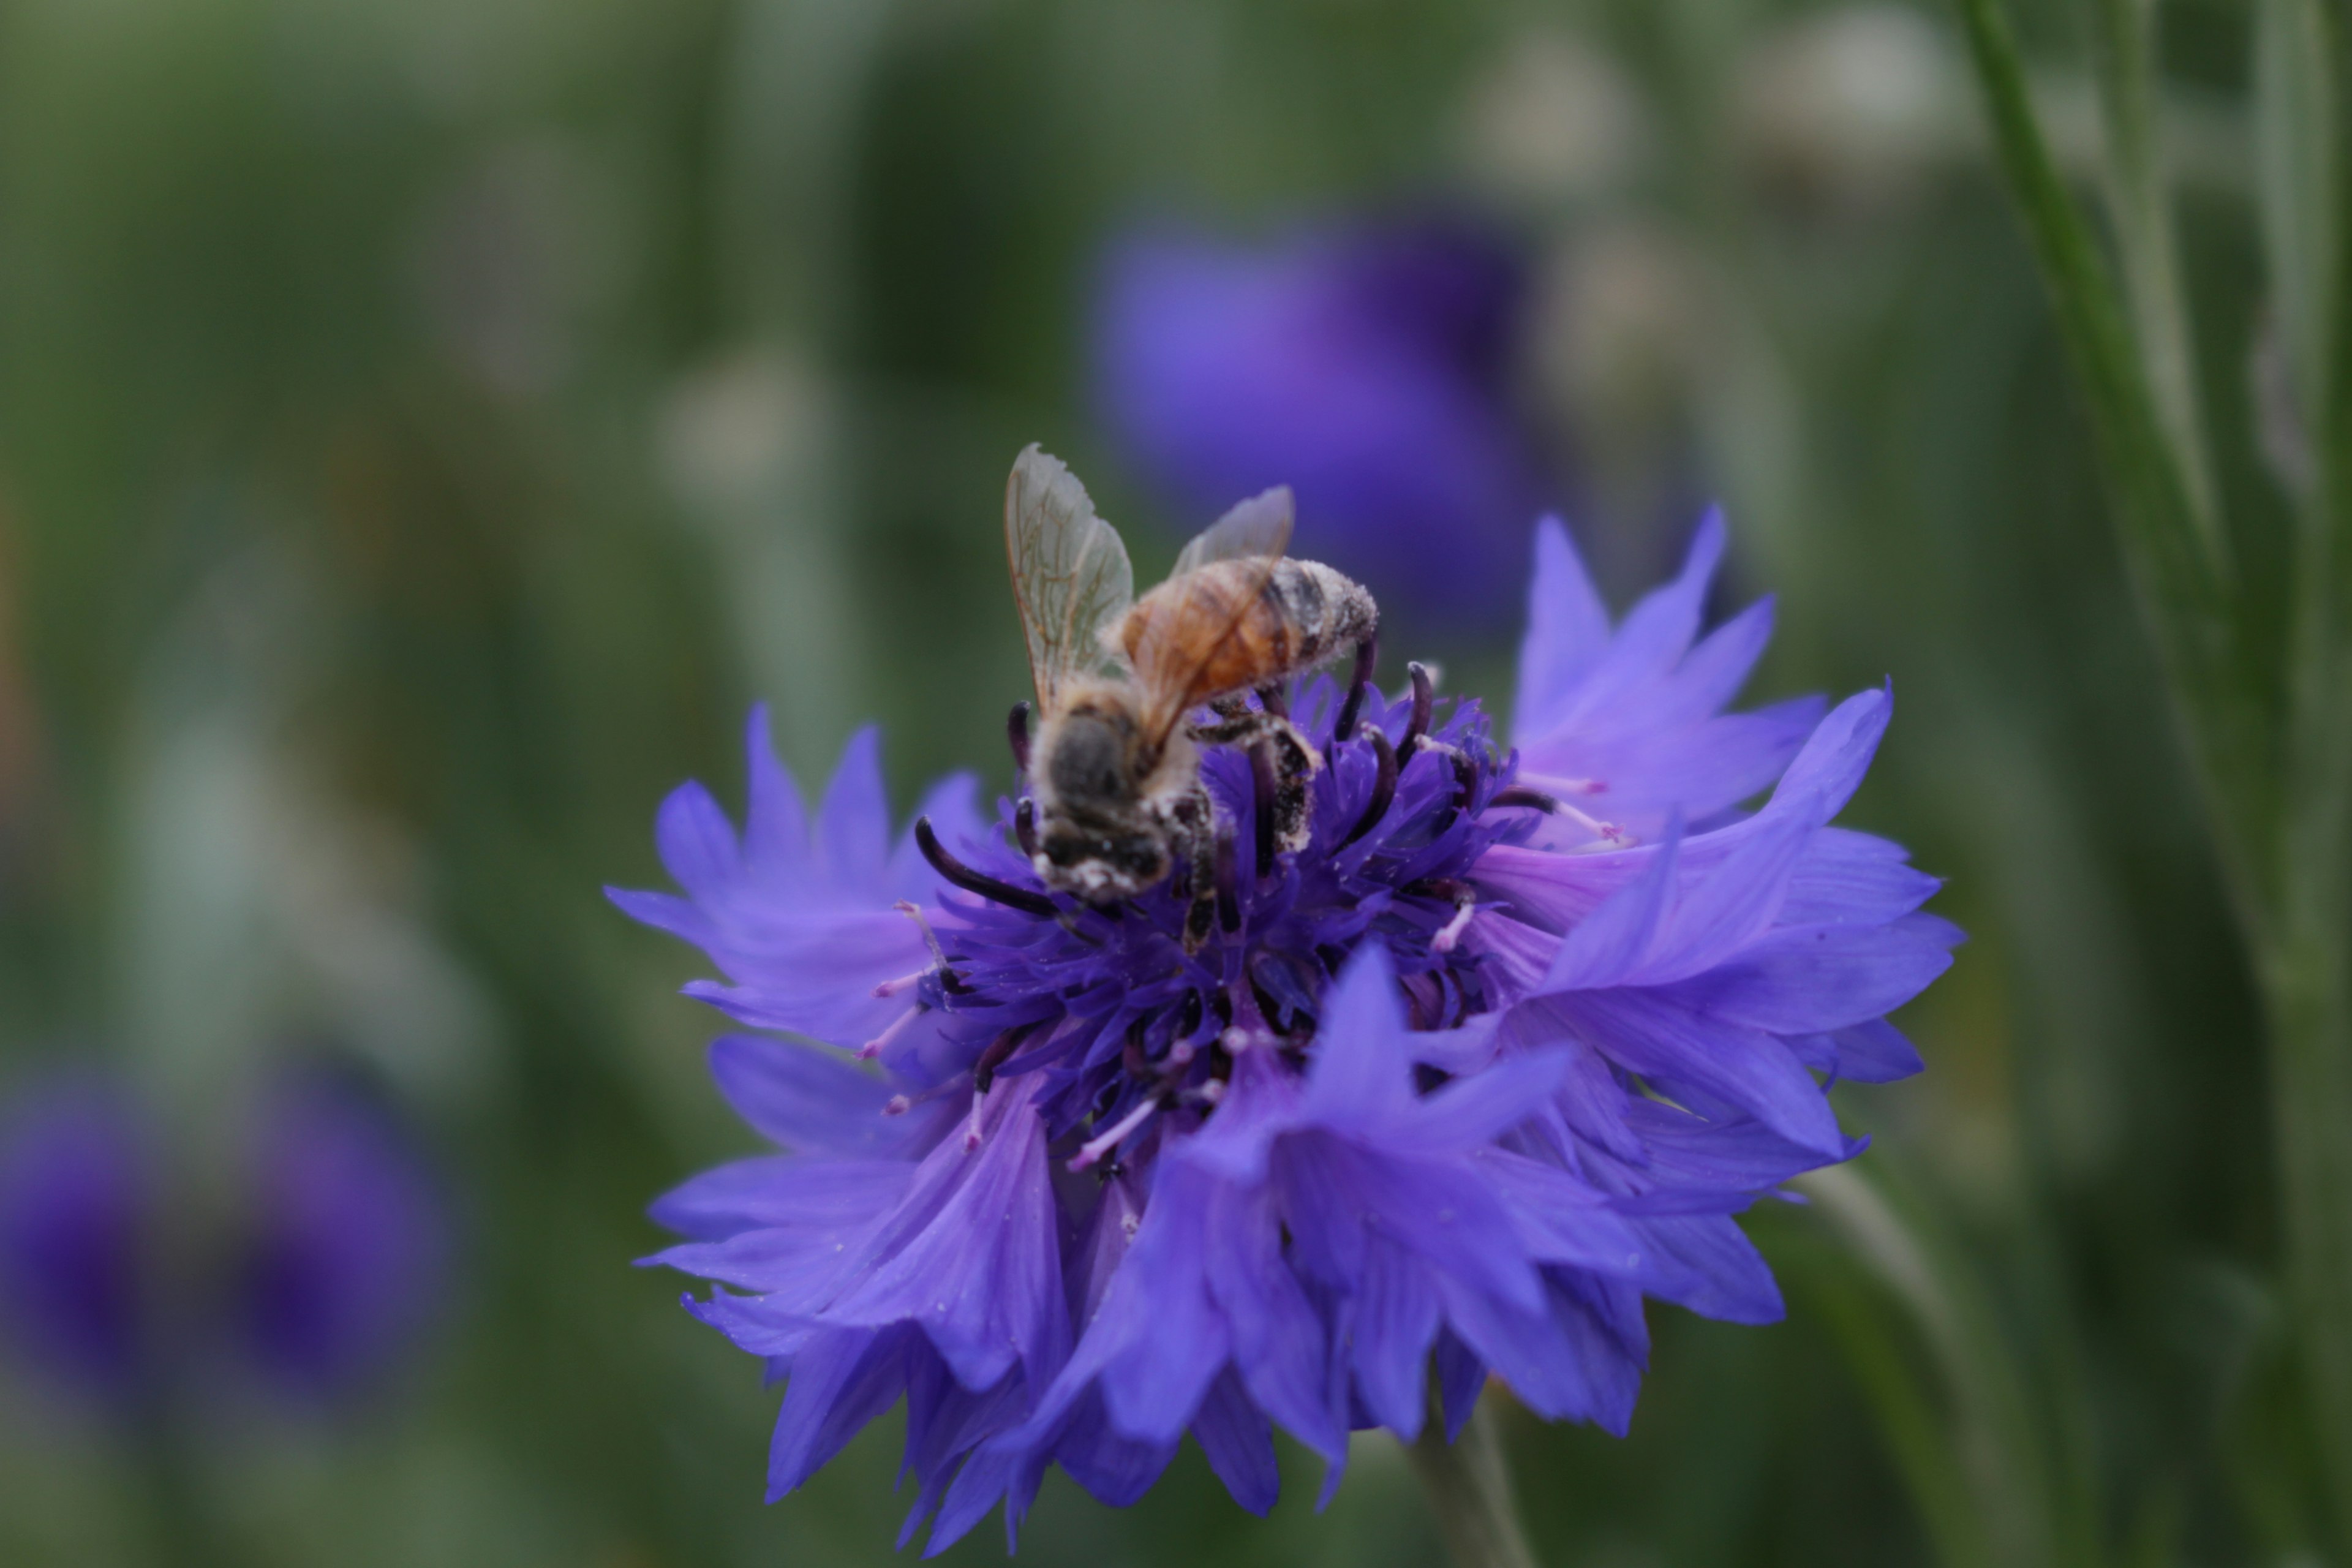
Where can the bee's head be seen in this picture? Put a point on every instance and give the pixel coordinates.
(1100, 865)
(1089, 757)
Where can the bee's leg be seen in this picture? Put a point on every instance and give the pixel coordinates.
(1294, 766)
(1237, 724)
(1294, 762)
(1193, 828)
(1246, 727)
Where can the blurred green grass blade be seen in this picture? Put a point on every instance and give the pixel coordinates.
(2300, 129)
(1909, 1417)
(2181, 575)
(2139, 192)
(2299, 184)
(2031, 1494)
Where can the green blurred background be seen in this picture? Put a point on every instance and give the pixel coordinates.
(425, 426)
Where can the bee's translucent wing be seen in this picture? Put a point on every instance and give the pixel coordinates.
(1253, 537)
(1070, 571)
(1258, 526)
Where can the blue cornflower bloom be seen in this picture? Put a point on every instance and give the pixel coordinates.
(1501, 1052)
(338, 1260)
(1366, 365)
(77, 1214)
(346, 1246)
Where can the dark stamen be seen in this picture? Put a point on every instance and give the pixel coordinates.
(999, 1049)
(953, 870)
(1465, 781)
(1384, 786)
(1275, 699)
(1024, 827)
(1368, 657)
(1519, 795)
(1188, 1015)
(1261, 813)
(1016, 730)
(1221, 1003)
(1131, 1056)
(1424, 694)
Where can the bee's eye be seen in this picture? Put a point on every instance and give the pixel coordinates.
(1065, 851)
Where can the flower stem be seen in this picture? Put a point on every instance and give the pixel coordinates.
(1469, 1487)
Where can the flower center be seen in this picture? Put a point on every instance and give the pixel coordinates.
(1125, 1026)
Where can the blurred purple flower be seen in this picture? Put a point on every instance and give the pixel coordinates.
(348, 1241)
(342, 1256)
(1500, 1053)
(1366, 367)
(76, 1200)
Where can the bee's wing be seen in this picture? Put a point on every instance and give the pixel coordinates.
(1255, 534)
(1070, 571)
(1258, 526)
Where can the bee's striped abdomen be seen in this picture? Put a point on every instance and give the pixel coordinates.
(1200, 631)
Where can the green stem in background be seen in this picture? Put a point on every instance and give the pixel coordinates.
(2275, 756)
(2183, 582)
(2010, 1484)
(1468, 1483)
(2139, 195)
(2303, 968)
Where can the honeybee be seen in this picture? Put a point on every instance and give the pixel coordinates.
(1115, 767)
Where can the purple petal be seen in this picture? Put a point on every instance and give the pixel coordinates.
(1731, 1279)
(1160, 1338)
(1618, 936)
(1830, 769)
(1655, 636)
(783, 1191)
(1649, 1033)
(842, 1379)
(775, 828)
(804, 1098)
(1876, 1052)
(982, 1273)
(697, 841)
(1395, 1324)
(1803, 980)
(1732, 907)
(853, 826)
(1568, 628)
(1363, 1071)
(1278, 1344)
(1239, 1443)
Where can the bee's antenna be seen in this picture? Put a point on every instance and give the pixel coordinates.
(1384, 785)
(1424, 695)
(1368, 657)
(1016, 730)
(953, 870)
